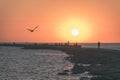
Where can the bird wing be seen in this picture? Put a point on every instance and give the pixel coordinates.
(35, 27)
(30, 30)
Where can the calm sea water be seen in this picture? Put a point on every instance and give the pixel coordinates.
(21, 64)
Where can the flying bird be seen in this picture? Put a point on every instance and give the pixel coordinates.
(32, 30)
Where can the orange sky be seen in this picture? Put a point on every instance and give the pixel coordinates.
(96, 20)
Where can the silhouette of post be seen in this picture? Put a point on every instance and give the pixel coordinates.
(98, 45)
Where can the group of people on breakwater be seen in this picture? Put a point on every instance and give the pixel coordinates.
(74, 44)
(46, 44)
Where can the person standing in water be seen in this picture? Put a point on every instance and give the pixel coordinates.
(98, 44)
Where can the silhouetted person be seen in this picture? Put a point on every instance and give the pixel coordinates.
(75, 44)
(14, 43)
(98, 44)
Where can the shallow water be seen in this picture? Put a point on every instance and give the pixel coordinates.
(19, 64)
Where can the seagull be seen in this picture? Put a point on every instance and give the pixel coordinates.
(32, 30)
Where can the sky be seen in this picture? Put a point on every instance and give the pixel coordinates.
(93, 20)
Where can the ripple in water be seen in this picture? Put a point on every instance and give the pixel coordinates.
(19, 64)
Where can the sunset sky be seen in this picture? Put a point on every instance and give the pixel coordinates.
(60, 20)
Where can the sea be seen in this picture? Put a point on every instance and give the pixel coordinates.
(40, 64)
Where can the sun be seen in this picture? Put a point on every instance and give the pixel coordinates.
(75, 32)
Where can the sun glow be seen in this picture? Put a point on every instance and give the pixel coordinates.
(75, 32)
